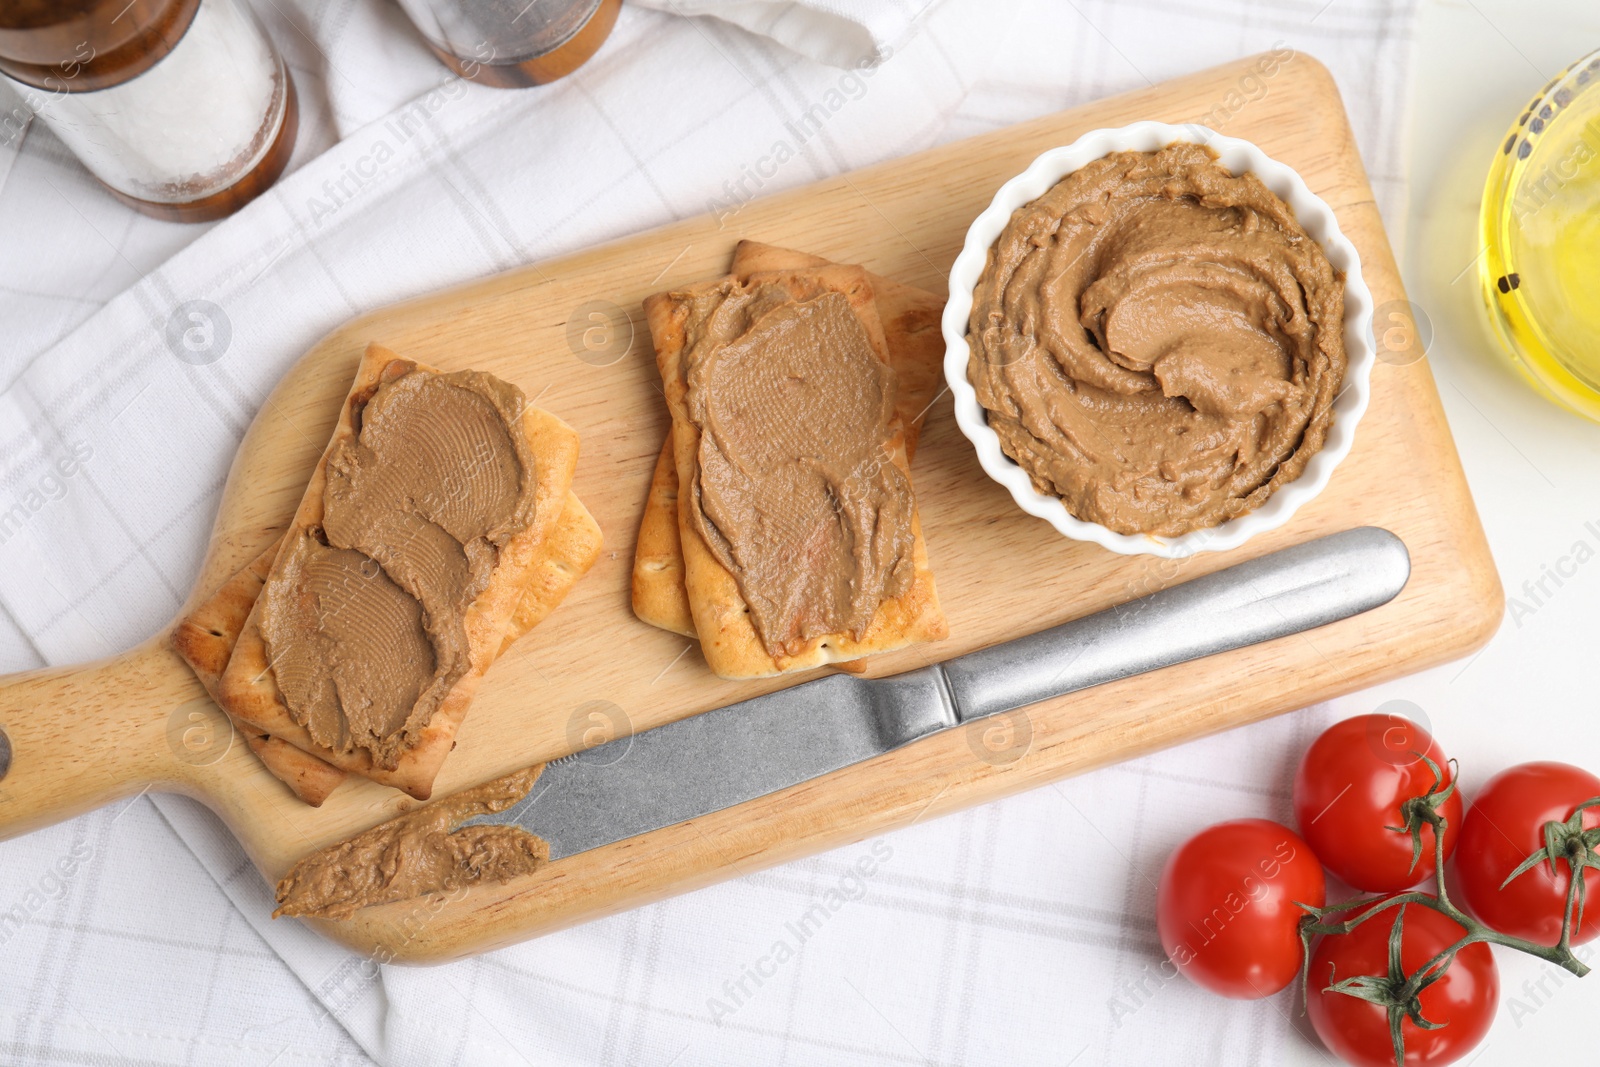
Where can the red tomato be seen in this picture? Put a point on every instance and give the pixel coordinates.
(1357, 1031)
(1226, 906)
(1348, 793)
(1504, 826)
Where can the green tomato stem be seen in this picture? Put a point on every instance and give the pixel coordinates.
(1399, 993)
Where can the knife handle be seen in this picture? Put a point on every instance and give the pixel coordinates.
(1281, 593)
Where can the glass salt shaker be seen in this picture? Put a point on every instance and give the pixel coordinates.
(512, 44)
(181, 108)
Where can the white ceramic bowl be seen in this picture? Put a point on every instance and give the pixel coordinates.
(1237, 156)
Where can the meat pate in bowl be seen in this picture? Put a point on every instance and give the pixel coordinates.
(1158, 340)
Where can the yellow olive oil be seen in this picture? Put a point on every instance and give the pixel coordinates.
(1540, 267)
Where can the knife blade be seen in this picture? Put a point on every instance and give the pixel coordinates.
(726, 756)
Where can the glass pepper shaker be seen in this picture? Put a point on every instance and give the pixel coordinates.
(512, 44)
(181, 108)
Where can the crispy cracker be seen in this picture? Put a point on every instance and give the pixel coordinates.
(248, 689)
(565, 556)
(659, 596)
(728, 638)
(910, 319)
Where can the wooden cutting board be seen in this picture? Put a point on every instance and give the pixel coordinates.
(82, 737)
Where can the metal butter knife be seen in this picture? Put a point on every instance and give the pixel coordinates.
(736, 753)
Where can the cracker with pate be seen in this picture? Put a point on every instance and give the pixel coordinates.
(205, 638)
(249, 689)
(910, 319)
(727, 624)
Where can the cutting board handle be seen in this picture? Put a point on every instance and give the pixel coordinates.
(77, 738)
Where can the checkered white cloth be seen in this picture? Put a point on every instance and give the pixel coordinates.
(1018, 932)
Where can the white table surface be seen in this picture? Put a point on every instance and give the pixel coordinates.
(1530, 694)
(1532, 470)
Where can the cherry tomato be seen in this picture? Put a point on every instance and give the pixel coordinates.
(1348, 792)
(1357, 1031)
(1226, 910)
(1503, 827)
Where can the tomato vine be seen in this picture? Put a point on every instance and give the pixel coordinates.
(1399, 992)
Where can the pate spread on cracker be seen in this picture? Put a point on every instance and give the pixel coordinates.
(910, 320)
(364, 617)
(796, 514)
(249, 689)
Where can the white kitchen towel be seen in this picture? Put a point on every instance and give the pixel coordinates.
(1001, 935)
(840, 34)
